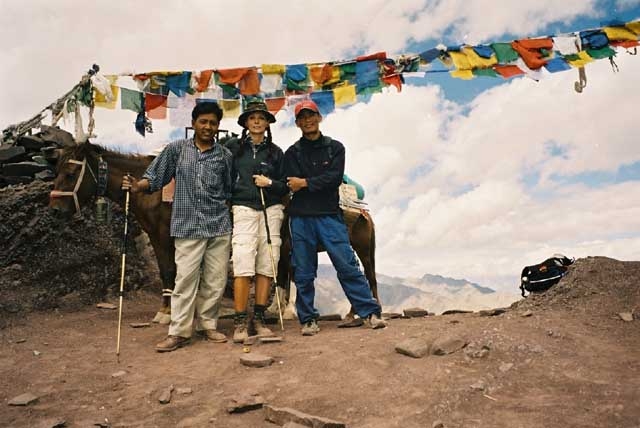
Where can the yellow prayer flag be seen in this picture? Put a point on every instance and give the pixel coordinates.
(231, 108)
(619, 33)
(462, 74)
(460, 60)
(344, 95)
(583, 60)
(273, 68)
(477, 61)
(633, 26)
(100, 99)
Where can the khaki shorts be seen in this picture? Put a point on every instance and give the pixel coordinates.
(250, 250)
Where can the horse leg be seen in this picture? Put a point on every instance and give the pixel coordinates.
(362, 239)
(166, 265)
(163, 316)
(284, 284)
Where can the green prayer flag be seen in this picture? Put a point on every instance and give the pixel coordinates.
(504, 52)
(348, 72)
(294, 85)
(229, 92)
(605, 52)
(131, 100)
(486, 72)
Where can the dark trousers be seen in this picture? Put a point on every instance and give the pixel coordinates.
(331, 232)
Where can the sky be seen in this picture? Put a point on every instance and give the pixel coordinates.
(466, 179)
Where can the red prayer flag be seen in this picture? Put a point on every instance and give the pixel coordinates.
(507, 71)
(203, 80)
(274, 105)
(377, 56)
(155, 105)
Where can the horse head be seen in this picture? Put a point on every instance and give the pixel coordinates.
(76, 179)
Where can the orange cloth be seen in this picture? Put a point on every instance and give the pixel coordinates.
(231, 76)
(394, 80)
(322, 74)
(529, 50)
(155, 106)
(274, 105)
(250, 83)
(507, 71)
(377, 55)
(626, 44)
(203, 80)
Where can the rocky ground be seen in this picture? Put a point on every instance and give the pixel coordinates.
(50, 263)
(565, 358)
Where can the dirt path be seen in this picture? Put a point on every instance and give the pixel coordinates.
(555, 368)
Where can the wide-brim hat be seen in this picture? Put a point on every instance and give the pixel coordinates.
(253, 107)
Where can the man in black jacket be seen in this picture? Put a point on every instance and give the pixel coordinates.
(314, 167)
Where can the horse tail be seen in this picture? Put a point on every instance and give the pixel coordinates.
(373, 282)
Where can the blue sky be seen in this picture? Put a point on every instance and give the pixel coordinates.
(459, 174)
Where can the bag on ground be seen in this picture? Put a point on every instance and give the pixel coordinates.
(544, 275)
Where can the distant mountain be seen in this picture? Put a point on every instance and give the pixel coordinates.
(434, 293)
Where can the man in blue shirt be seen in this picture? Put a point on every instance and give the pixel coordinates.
(314, 167)
(200, 224)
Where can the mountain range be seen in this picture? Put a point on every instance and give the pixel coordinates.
(434, 293)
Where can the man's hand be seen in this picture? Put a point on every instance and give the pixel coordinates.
(296, 183)
(261, 180)
(129, 182)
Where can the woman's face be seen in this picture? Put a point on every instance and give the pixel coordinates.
(256, 123)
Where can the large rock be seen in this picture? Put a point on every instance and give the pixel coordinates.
(12, 154)
(416, 347)
(244, 403)
(283, 415)
(448, 345)
(23, 169)
(415, 312)
(47, 136)
(256, 360)
(23, 399)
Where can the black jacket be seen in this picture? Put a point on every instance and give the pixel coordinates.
(268, 159)
(321, 162)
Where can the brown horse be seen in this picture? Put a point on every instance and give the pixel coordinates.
(77, 181)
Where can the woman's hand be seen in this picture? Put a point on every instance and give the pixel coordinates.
(261, 180)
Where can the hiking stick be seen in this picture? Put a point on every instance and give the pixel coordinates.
(122, 265)
(273, 263)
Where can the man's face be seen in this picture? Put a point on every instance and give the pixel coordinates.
(308, 121)
(206, 127)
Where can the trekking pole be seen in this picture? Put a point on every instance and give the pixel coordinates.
(122, 266)
(273, 263)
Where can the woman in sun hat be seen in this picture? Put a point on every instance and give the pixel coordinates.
(257, 165)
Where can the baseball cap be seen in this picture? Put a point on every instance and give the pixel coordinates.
(306, 105)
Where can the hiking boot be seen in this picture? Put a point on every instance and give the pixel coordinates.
(310, 328)
(171, 343)
(240, 331)
(213, 335)
(375, 321)
(261, 329)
